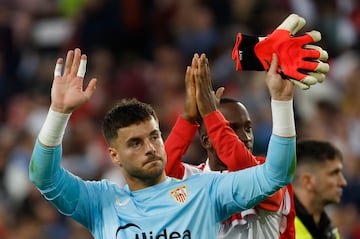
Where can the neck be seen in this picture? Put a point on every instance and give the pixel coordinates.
(215, 163)
(313, 206)
(138, 184)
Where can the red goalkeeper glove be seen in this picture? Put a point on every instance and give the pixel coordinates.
(298, 61)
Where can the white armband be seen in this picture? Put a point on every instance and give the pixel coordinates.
(52, 131)
(283, 118)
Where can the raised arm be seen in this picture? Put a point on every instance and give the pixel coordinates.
(67, 93)
(279, 167)
(185, 127)
(184, 130)
(230, 149)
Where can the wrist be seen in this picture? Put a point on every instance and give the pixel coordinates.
(53, 129)
(282, 98)
(283, 118)
(188, 118)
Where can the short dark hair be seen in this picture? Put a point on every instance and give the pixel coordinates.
(125, 113)
(316, 151)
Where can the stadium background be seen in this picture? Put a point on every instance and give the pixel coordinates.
(140, 48)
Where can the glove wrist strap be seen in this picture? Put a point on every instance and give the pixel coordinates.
(244, 55)
(249, 60)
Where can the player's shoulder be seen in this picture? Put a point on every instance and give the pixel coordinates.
(103, 185)
(196, 175)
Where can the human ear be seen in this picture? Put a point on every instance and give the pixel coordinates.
(307, 180)
(205, 141)
(114, 156)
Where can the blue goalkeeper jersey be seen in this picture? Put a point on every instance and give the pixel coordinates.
(190, 208)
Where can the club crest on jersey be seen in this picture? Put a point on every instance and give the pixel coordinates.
(180, 194)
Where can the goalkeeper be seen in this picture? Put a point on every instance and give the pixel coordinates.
(151, 205)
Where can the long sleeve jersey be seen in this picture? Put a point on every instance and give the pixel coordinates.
(189, 208)
(269, 218)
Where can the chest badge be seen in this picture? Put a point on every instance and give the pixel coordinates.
(180, 194)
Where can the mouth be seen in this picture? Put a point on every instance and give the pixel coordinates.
(153, 159)
(339, 192)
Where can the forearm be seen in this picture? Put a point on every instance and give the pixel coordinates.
(281, 160)
(47, 152)
(44, 165)
(55, 183)
(283, 118)
(253, 185)
(284, 125)
(176, 145)
(231, 151)
(281, 156)
(264, 180)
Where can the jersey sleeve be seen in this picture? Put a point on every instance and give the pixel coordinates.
(235, 155)
(230, 149)
(63, 189)
(252, 185)
(176, 145)
(274, 202)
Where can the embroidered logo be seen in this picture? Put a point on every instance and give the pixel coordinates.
(241, 55)
(120, 203)
(180, 194)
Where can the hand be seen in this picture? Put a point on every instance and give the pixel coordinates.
(191, 112)
(279, 88)
(67, 90)
(205, 96)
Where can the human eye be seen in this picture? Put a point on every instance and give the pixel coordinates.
(248, 128)
(134, 143)
(155, 136)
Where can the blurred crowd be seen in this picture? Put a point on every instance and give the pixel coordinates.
(140, 48)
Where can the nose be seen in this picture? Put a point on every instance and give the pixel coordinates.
(150, 148)
(343, 181)
(244, 136)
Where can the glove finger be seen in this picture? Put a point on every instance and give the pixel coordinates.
(297, 75)
(290, 23)
(311, 53)
(315, 35)
(322, 67)
(300, 84)
(310, 65)
(323, 54)
(309, 37)
(310, 80)
(320, 77)
(299, 26)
